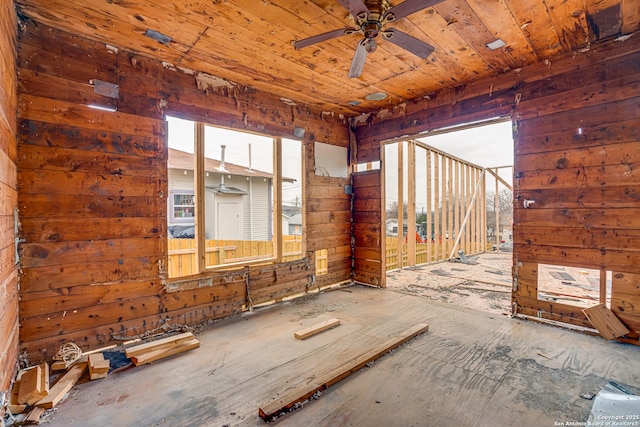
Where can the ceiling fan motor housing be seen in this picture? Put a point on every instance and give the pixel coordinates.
(376, 8)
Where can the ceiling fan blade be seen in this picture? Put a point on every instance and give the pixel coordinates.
(299, 44)
(357, 8)
(358, 60)
(406, 8)
(407, 42)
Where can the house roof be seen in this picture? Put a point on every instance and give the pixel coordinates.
(182, 160)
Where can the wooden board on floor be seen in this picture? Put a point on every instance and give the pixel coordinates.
(98, 366)
(300, 394)
(316, 329)
(64, 384)
(34, 384)
(603, 319)
(158, 344)
(13, 406)
(161, 353)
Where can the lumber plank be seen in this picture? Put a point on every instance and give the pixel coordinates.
(33, 386)
(34, 416)
(13, 406)
(316, 329)
(152, 356)
(58, 365)
(305, 391)
(603, 319)
(158, 344)
(98, 366)
(64, 384)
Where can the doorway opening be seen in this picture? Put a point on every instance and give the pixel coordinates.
(449, 215)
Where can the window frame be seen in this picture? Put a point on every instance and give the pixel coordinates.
(276, 211)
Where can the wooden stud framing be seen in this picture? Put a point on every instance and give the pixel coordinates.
(436, 202)
(400, 193)
(429, 231)
(411, 209)
(457, 207)
(483, 204)
(479, 230)
(603, 286)
(469, 196)
(497, 211)
(450, 195)
(443, 212)
(199, 177)
(277, 199)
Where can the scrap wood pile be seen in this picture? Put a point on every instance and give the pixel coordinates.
(32, 394)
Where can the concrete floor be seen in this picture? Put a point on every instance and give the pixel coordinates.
(471, 369)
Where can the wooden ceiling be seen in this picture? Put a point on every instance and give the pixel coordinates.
(248, 42)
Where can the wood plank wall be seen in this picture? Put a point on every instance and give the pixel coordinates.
(328, 221)
(8, 197)
(576, 133)
(369, 234)
(93, 188)
(578, 162)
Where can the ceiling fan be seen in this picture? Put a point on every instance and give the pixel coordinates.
(370, 17)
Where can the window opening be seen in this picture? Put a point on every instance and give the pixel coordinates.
(234, 198)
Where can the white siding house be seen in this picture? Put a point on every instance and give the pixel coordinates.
(237, 200)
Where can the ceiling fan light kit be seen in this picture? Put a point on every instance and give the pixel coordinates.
(370, 18)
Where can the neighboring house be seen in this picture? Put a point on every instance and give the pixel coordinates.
(295, 225)
(237, 200)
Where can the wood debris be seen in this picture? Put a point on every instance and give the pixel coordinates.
(34, 384)
(156, 350)
(98, 366)
(13, 406)
(63, 385)
(603, 319)
(34, 416)
(316, 329)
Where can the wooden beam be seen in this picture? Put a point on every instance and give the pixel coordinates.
(34, 384)
(496, 208)
(64, 384)
(98, 366)
(450, 196)
(161, 353)
(603, 286)
(277, 198)
(400, 236)
(300, 394)
(411, 203)
(443, 184)
(429, 231)
(316, 329)
(199, 179)
(13, 405)
(468, 214)
(158, 344)
(494, 172)
(436, 206)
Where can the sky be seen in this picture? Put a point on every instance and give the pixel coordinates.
(487, 146)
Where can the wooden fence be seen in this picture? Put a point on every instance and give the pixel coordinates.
(182, 253)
